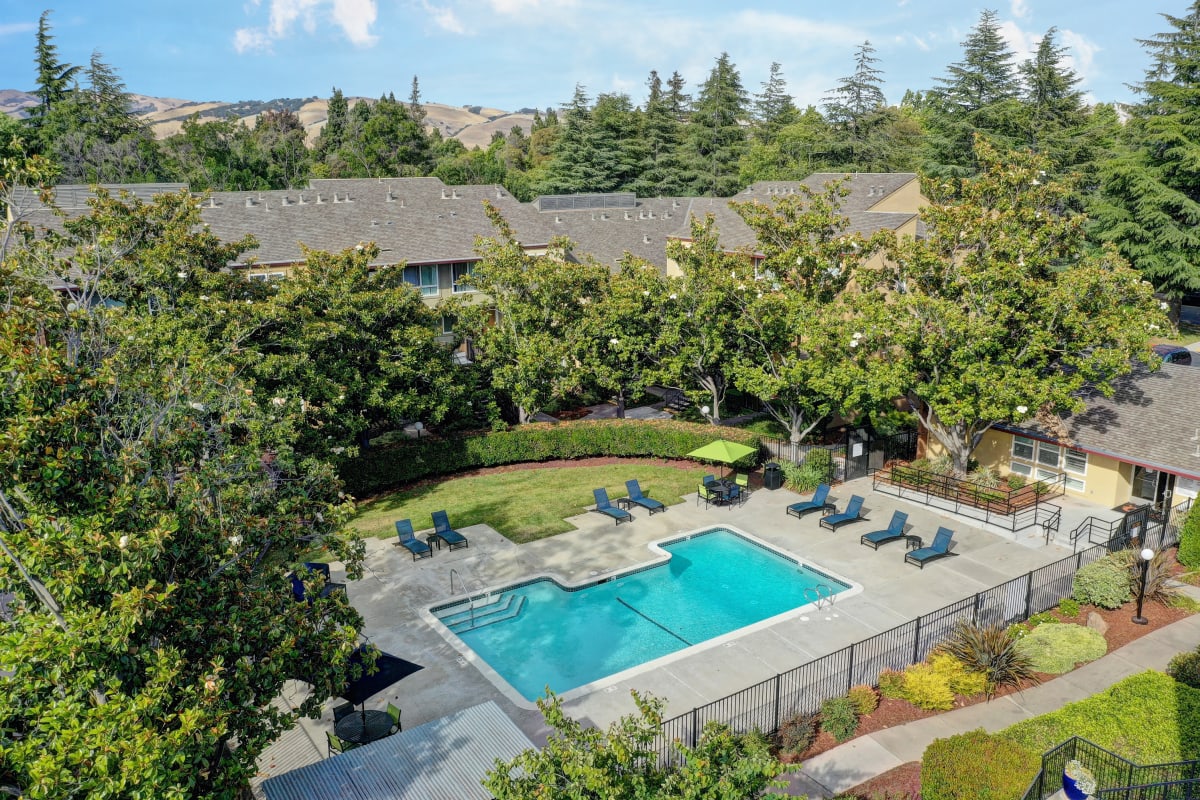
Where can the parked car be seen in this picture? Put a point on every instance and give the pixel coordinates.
(1173, 354)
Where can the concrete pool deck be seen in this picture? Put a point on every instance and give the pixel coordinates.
(396, 592)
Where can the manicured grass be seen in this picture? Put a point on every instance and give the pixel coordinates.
(1188, 335)
(523, 505)
(765, 426)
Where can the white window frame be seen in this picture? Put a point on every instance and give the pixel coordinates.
(1044, 474)
(1025, 442)
(425, 272)
(1019, 468)
(1046, 447)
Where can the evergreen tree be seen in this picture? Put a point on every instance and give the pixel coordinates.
(53, 76)
(773, 107)
(618, 149)
(415, 109)
(660, 135)
(678, 101)
(986, 73)
(716, 139)
(573, 166)
(858, 95)
(1149, 201)
(1053, 103)
(334, 132)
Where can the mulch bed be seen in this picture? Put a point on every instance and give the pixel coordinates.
(904, 782)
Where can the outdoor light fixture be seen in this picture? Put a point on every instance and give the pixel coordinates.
(704, 410)
(1147, 556)
(418, 427)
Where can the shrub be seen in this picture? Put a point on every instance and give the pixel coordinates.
(891, 684)
(839, 718)
(987, 477)
(865, 699)
(927, 689)
(1068, 607)
(1103, 583)
(991, 651)
(1015, 481)
(1041, 619)
(379, 469)
(1058, 648)
(1189, 538)
(977, 766)
(960, 679)
(796, 733)
(1185, 668)
(804, 478)
(1158, 576)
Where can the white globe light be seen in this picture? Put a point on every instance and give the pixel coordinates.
(704, 410)
(1147, 554)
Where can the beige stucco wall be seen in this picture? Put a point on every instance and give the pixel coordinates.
(1108, 482)
(907, 198)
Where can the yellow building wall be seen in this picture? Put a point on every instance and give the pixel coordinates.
(1108, 482)
(906, 199)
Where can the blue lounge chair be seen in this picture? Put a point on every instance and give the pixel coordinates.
(894, 531)
(636, 496)
(608, 509)
(819, 502)
(442, 530)
(853, 513)
(409, 540)
(939, 548)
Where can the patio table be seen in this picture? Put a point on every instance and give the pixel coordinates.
(361, 727)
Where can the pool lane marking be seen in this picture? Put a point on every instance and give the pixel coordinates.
(654, 622)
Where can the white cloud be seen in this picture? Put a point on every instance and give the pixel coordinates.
(353, 17)
(516, 7)
(1023, 43)
(11, 28)
(1081, 54)
(444, 18)
(1020, 9)
(921, 44)
(251, 40)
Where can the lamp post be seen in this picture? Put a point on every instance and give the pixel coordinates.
(418, 427)
(1147, 556)
(704, 410)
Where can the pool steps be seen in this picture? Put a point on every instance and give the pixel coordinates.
(471, 615)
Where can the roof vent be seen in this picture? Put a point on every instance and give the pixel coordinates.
(646, 239)
(374, 223)
(603, 215)
(445, 194)
(499, 193)
(335, 198)
(391, 198)
(266, 207)
(454, 194)
(402, 202)
(301, 201)
(870, 191)
(319, 200)
(346, 198)
(650, 214)
(627, 215)
(212, 202)
(285, 201)
(674, 204)
(250, 202)
(558, 219)
(666, 215)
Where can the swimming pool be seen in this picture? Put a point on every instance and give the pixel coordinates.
(539, 633)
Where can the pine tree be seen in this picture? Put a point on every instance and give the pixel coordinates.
(334, 132)
(572, 167)
(1149, 201)
(678, 101)
(858, 95)
(415, 109)
(53, 76)
(660, 134)
(716, 139)
(773, 107)
(986, 74)
(1053, 104)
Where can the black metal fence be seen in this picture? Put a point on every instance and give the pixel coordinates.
(1116, 777)
(803, 689)
(855, 457)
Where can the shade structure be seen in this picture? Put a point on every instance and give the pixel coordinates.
(722, 451)
(389, 669)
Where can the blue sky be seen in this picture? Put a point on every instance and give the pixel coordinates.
(512, 53)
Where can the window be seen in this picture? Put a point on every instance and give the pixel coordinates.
(424, 277)
(1076, 461)
(447, 324)
(1047, 454)
(1018, 468)
(267, 277)
(1046, 474)
(460, 272)
(1022, 448)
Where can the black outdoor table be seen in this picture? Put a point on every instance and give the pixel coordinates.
(721, 488)
(913, 542)
(361, 727)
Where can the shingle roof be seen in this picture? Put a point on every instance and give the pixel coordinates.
(607, 234)
(1150, 420)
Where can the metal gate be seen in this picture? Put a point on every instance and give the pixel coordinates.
(866, 452)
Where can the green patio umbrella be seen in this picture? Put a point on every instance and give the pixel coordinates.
(722, 451)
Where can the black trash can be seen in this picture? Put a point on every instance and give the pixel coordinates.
(772, 476)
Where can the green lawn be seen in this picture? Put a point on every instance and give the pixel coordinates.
(1188, 335)
(523, 505)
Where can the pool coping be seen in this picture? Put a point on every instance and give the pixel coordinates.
(659, 557)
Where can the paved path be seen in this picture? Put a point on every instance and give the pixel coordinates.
(864, 758)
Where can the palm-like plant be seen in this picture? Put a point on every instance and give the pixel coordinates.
(1158, 574)
(991, 650)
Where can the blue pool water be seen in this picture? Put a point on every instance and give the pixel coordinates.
(538, 634)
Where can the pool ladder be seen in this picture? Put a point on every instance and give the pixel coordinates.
(467, 587)
(813, 595)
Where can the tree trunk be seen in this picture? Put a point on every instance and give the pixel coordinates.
(621, 403)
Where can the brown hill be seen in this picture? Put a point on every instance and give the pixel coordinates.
(471, 125)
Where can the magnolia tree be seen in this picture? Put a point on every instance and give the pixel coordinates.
(151, 510)
(794, 356)
(528, 334)
(1000, 313)
(698, 339)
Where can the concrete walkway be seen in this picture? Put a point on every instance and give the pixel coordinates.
(844, 767)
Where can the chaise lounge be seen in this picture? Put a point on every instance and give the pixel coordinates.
(443, 531)
(894, 531)
(939, 549)
(853, 513)
(636, 497)
(408, 540)
(819, 502)
(605, 507)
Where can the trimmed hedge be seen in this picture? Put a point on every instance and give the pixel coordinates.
(1189, 537)
(380, 469)
(1056, 649)
(1103, 583)
(977, 766)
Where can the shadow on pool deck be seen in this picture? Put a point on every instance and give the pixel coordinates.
(394, 591)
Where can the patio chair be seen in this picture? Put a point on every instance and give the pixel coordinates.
(733, 494)
(819, 502)
(337, 746)
(341, 710)
(636, 496)
(441, 527)
(394, 713)
(894, 531)
(608, 509)
(409, 540)
(939, 548)
(707, 495)
(742, 481)
(853, 513)
(708, 479)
